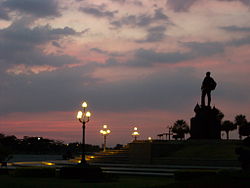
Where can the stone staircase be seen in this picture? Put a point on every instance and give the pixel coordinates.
(110, 156)
(195, 162)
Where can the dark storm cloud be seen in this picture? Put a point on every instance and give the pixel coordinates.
(56, 44)
(137, 3)
(141, 20)
(38, 35)
(98, 11)
(240, 42)
(134, 2)
(19, 32)
(147, 58)
(205, 49)
(180, 5)
(29, 56)
(154, 34)
(184, 6)
(4, 14)
(159, 15)
(56, 90)
(18, 37)
(245, 2)
(163, 90)
(236, 29)
(233, 92)
(38, 8)
(119, 1)
(100, 51)
(19, 44)
(63, 89)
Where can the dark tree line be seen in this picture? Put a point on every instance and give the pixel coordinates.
(31, 145)
(239, 122)
(180, 127)
(38, 145)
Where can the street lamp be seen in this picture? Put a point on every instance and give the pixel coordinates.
(170, 132)
(83, 117)
(135, 134)
(105, 132)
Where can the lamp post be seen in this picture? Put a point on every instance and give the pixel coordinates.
(105, 132)
(135, 133)
(169, 132)
(83, 117)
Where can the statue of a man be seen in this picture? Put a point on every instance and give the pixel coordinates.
(207, 86)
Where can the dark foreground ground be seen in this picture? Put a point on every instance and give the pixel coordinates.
(233, 180)
(121, 182)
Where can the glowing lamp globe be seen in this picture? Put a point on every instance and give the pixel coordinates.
(79, 115)
(84, 104)
(88, 114)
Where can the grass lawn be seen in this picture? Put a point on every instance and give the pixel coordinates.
(220, 150)
(125, 182)
(188, 179)
(122, 182)
(211, 182)
(226, 152)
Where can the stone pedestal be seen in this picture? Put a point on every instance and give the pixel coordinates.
(206, 124)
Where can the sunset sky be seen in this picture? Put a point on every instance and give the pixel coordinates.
(136, 62)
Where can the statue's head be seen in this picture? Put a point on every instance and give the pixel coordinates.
(208, 74)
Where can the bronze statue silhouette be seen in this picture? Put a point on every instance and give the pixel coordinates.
(207, 86)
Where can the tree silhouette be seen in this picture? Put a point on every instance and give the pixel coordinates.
(228, 126)
(245, 129)
(181, 128)
(241, 121)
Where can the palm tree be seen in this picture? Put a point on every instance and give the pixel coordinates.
(245, 129)
(181, 128)
(240, 121)
(228, 126)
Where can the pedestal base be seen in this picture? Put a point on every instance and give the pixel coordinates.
(206, 124)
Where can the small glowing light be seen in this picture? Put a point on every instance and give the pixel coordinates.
(47, 163)
(84, 104)
(88, 114)
(105, 131)
(38, 138)
(92, 157)
(149, 138)
(79, 115)
(135, 133)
